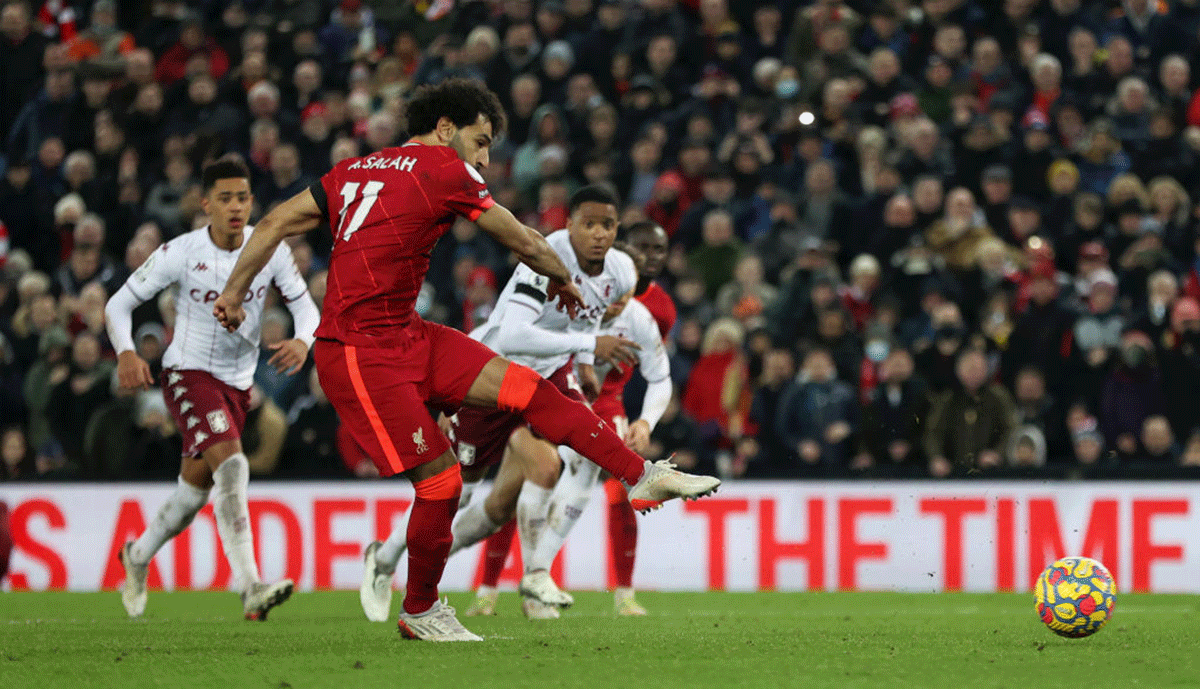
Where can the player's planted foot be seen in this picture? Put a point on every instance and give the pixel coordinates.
(541, 585)
(375, 593)
(625, 605)
(133, 592)
(661, 482)
(484, 603)
(534, 609)
(439, 623)
(259, 598)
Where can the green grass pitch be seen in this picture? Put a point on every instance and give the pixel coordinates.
(775, 640)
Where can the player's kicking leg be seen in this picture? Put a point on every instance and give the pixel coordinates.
(566, 422)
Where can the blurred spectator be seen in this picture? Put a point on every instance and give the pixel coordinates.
(717, 256)
(747, 296)
(717, 385)
(276, 385)
(45, 115)
(17, 455)
(776, 452)
(1179, 355)
(193, 51)
(102, 42)
(1132, 393)
(263, 437)
(818, 414)
(894, 417)
(969, 425)
(1158, 442)
(72, 401)
(311, 447)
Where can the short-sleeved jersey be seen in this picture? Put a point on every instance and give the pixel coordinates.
(527, 289)
(638, 324)
(201, 269)
(661, 306)
(387, 211)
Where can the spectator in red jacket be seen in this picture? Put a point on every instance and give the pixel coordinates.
(193, 42)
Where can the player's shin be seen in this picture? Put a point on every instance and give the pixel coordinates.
(429, 536)
(230, 481)
(622, 532)
(564, 421)
(567, 501)
(471, 526)
(173, 517)
(531, 519)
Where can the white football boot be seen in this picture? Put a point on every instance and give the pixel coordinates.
(375, 593)
(436, 624)
(540, 585)
(625, 604)
(484, 603)
(133, 591)
(661, 482)
(259, 598)
(534, 609)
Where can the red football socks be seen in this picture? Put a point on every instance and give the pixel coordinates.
(564, 421)
(622, 532)
(429, 537)
(495, 553)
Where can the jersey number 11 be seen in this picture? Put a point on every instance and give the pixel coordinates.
(350, 195)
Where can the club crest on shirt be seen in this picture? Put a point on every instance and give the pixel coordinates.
(419, 440)
(218, 422)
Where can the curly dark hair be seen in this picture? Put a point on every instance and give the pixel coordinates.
(462, 100)
(592, 193)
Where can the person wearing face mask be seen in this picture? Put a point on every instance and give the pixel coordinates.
(1132, 393)
(936, 362)
(1179, 355)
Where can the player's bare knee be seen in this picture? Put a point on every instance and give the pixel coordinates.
(432, 468)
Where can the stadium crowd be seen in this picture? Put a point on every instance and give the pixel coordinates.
(907, 237)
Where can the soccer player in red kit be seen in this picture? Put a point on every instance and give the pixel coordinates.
(380, 364)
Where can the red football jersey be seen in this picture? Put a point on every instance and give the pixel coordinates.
(387, 210)
(661, 307)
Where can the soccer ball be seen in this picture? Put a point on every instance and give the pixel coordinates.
(1075, 596)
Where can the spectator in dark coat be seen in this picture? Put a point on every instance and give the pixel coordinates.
(818, 415)
(1132, 393)
(776, 459)
(21, 52)
(969, 426)
(73, 401)
(894, 417)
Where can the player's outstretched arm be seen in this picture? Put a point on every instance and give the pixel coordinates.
(533, 250)
(297, 215)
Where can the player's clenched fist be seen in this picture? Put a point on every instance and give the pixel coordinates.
(229, 311)
(133, 372)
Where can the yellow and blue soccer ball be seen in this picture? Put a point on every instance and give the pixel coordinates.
(1075, 596)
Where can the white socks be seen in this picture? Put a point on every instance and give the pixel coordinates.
(471, 526)
(531, 519)
(233, 517)
(567, 501)
(388, 554)
(173, 517)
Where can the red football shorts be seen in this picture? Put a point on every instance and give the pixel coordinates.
(483, 432)
(611, 410)
(381, 393)
(206, 410)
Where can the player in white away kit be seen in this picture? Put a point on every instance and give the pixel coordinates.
(628, 319)
(527, 328)
(206, 379)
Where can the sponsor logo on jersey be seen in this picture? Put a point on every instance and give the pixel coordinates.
(218, 422)
(200, 267)
(419, 440)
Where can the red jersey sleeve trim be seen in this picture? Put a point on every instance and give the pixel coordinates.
(483, 206)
